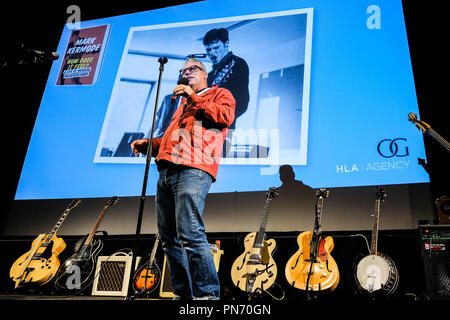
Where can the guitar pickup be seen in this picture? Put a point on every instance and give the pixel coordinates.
(255, 259)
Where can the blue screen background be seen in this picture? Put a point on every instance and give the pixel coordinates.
(361, 90)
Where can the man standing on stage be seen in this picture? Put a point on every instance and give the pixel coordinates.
(187, 158)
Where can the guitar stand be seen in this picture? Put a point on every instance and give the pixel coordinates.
(260, 293)
(308, 297)
(314, 245)
(307, 281)
(316, 238)
(27, 288)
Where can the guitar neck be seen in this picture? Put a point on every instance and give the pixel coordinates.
(97, 224)
(314, 249)
(320, 195)
(319, 207)
(262, 228)
(376, 218)
(56, 227)
(155, 246)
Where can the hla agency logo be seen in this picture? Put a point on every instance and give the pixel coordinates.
(388, 148)
(393, 154)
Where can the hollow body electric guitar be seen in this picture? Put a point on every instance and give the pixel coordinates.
(77, 270)
(39, 265)
(255, 270)
(312, 268)
(147, 277)
(376, 271)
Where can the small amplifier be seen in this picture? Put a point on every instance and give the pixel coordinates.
(435, 242)
(112, 275)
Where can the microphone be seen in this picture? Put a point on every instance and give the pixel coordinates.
(162, 60)
(412, 117)
(36, 56)
(184, 81)
(18, 54)
(45, 55)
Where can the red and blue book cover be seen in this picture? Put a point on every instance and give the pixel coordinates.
(83, 58)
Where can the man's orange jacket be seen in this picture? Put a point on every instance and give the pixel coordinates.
(197, 131)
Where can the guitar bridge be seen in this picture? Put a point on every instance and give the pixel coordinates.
(251, 277)
(254, 259)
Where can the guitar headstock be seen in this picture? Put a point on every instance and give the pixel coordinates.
(419, 124)
(272, 193)
(381, 194)
(73, 204)
(112, 201)
(322, 193)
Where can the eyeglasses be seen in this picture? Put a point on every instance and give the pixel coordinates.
(191, 69)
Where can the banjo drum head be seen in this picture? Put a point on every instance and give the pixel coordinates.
(372, 272)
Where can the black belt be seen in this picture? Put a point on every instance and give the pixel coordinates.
(164, 164)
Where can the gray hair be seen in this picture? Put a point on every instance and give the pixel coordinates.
(196, 62)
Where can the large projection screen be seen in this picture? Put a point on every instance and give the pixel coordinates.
(330, 86)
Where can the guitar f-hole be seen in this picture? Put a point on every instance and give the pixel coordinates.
(243, 261)
(327, 267)
(296, 261)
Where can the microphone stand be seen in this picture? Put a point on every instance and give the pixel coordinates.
(444, 143)
(427, 129)
(130, 295)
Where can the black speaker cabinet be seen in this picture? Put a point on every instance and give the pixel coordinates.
(435, 242)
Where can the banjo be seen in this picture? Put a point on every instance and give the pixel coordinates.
(376, 271)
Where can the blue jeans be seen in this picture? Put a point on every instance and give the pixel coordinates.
(180, 199)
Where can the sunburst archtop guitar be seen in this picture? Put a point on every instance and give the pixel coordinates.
(147, 277)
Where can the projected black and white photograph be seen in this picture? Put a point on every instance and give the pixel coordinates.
(263, 60)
